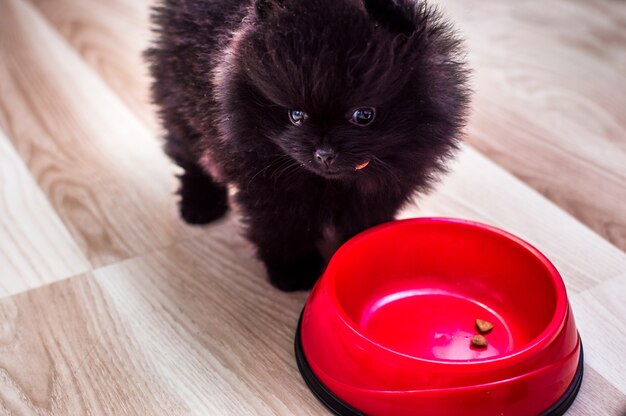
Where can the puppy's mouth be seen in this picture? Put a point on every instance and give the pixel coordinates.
(332, 174)
(337, 171)
(346, 172)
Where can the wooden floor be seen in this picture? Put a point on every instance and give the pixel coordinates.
(110, 305)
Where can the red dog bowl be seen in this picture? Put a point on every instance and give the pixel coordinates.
(387, 330)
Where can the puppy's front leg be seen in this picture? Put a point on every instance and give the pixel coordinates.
(286, 241)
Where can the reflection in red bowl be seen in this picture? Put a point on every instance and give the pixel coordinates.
(387, 329)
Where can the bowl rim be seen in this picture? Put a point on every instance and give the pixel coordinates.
(531, 347)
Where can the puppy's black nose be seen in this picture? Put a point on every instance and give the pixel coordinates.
(325, 156)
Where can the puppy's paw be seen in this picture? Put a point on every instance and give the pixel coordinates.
(296, 275)
(202, 200)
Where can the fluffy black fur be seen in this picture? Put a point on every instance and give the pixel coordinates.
(227, 74)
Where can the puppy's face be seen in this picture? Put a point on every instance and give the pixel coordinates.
(350, 90)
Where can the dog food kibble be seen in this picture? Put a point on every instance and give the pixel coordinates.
(479, 341)
(483, 326)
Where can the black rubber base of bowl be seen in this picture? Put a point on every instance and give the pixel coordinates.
(341, 408)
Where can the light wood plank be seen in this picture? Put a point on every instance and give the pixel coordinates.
(550, 99)
(99, 166)
(480, 190)
(35, 246)
(597, 396)
(110, 36)
(190, 329)
(600, 316)
(227, 336)
(65, 351)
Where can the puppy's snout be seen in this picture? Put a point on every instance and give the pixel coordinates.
(325, 156)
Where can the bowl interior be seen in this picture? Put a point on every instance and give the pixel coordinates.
(417, 287)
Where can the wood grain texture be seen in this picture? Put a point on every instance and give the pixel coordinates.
(598, 397)
(65, 351)
(600, 316)
(176, 320)
(35, 246)
(160, 334)
(101, 169)
(550, 102)
(110, 36)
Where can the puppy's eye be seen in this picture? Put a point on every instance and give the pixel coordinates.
(363, 116)
(297, 117)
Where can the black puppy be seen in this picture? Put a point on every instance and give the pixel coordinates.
(325, 115)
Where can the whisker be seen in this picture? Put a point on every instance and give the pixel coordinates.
(289, 168)
(286, 166)
(280, 160)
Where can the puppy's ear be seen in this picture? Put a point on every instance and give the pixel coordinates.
(395, 15)
(264, 8)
